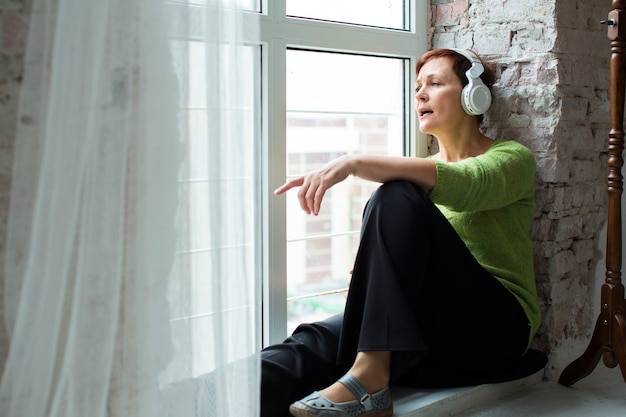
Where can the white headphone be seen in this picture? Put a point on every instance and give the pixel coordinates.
(475, 97)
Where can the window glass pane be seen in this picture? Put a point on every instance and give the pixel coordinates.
(195, 280)
(386, 14)
(336, 104)
(251, 5)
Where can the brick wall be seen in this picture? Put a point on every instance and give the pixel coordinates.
(551, 57)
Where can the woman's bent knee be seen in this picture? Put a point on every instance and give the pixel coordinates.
(400, 192)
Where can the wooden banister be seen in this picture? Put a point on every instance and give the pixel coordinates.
(609, 335)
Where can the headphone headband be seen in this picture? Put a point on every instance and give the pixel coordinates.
(477, 67)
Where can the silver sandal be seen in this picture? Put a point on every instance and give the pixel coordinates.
(366, 405)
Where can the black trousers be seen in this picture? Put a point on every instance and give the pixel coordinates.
(417, 291)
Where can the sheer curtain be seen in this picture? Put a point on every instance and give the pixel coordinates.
(129, 276)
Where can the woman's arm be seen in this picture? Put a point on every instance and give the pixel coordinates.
(382, 169)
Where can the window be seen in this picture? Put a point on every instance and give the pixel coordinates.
(337, 78)
(362, 117)
(383, 14)
(323, 82)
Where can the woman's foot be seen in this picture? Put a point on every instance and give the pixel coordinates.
(363, 391)
(364, 404)
(370, 368)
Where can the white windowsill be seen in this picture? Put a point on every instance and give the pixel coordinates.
(453, 401)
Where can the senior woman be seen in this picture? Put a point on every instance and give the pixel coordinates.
(443, 278)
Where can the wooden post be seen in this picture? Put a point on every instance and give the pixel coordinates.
(608, 340)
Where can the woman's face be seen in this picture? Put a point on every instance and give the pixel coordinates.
(438, 97)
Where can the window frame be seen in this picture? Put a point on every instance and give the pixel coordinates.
(278, 34)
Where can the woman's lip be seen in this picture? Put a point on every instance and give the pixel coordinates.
(425, 113)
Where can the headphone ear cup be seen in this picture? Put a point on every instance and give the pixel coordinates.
(475, 97)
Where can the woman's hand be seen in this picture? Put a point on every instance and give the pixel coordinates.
(313, 185)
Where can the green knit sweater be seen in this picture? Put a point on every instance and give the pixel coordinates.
(490, 200)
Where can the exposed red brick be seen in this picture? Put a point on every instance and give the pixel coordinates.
(450, 13)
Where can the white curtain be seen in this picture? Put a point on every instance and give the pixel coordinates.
(130, 255)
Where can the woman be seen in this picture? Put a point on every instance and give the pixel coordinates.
(443, 278)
